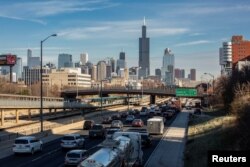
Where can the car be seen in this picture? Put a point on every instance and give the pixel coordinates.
(137, 111)
(74, 157)
(72, 141)
(124, 114)
(117, 124)
(130, 118)
(146, 139)
(107, 120)
(111, 131)
(116, 117)
(157, 111)
(88, 124)
(144, 111)
(131, 112)
(137, 123)
(97, 130)
(188, 107)
(27, 144)
(152, 110)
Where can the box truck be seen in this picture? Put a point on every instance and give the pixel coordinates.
(155, 125)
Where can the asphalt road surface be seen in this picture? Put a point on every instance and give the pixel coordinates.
(53, 156)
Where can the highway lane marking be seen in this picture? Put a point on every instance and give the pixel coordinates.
(49, 153)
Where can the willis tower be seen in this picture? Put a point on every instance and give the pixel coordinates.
(144, 53)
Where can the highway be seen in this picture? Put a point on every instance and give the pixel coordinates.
(53, 156)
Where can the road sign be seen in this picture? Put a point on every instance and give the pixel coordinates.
(185, 92)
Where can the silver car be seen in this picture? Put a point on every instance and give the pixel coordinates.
(117, 124)
(72, 141)
(74, 157)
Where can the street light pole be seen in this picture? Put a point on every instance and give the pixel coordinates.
(101, 97)
(211, 75)
(41, 80)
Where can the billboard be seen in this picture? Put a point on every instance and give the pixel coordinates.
(7, 60)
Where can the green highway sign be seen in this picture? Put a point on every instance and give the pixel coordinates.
(185, 92)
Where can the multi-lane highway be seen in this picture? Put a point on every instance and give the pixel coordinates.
(53, 156)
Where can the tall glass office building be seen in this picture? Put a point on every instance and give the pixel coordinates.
(65, 60)
(167, 70)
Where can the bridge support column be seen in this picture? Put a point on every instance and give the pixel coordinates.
(50, 111)
(152, 99)
(2, 117)
(17, 116)
(55, 112)
(29, 114)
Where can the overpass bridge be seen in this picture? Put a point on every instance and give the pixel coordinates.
(104, 92)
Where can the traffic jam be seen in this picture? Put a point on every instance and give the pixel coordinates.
(124, 137)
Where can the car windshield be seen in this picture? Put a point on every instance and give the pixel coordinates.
(68, 138)
(21, 141)
(73, 155)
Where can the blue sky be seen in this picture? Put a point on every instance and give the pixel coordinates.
(194, 29)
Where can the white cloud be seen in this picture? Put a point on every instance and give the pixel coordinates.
(194, 43)
(118, 29)
(34, 11)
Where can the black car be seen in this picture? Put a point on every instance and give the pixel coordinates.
(124, 114)
(116, 117)
(107, 120)
(146, 139)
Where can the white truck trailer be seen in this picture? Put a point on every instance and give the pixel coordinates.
(155, 125)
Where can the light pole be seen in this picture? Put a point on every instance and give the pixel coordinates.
(41, 80)
(211, 75)
(128, 95)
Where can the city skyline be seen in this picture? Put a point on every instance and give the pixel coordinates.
(194, 31)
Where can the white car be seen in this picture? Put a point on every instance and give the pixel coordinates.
(74, 157)
(117, 124)
(27, 144)
(72, 141)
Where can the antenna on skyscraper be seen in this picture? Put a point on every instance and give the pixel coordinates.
(144, 21)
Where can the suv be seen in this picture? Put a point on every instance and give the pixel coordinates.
(72, 141)
(97, 130)
(27, 144)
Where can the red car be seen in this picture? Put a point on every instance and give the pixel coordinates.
(137, 123)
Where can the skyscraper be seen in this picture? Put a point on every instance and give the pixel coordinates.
(18, 68)
(167, 70)
(144, 53)
(84, 57)
(192, 74)
(101, 70)
(121, 62)
(32, 61)
(226, 58)
(65, 60)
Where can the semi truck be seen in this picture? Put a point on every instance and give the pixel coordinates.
(123, 150)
